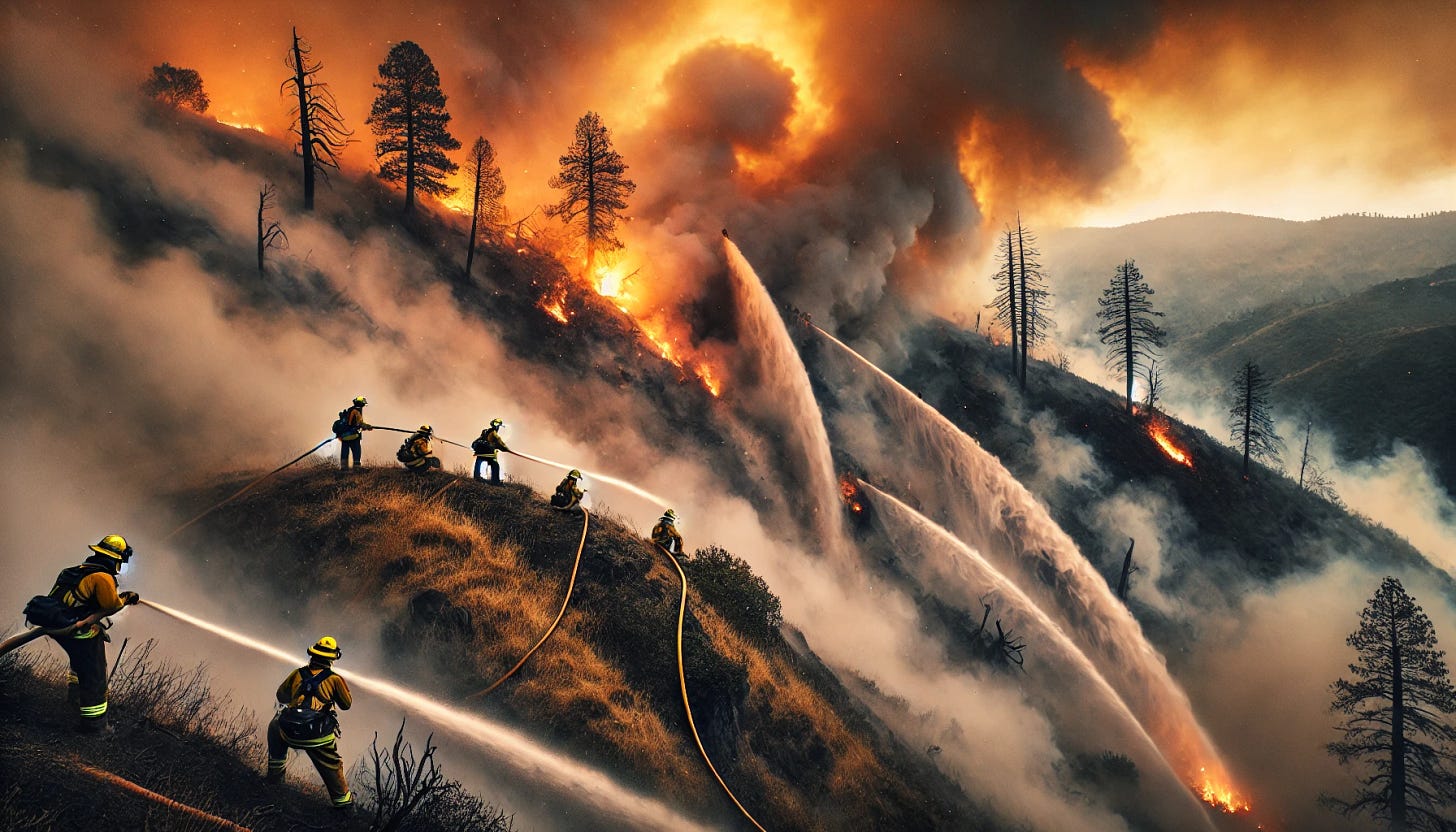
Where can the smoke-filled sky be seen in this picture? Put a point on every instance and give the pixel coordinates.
(934, 119)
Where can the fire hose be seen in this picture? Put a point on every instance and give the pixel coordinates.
(21, 639)
(683, 684)
(121, 782)
(241, 491)
(570, 586)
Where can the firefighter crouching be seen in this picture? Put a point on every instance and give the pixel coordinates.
(79, 593)
(665, 533)
(568, 495)
(307, 721)
(487, 450)
(415, 453)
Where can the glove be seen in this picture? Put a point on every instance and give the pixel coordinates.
(130, 598)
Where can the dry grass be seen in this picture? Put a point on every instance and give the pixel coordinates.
(567, 684)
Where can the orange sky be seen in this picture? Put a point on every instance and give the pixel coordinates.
(1242, 106)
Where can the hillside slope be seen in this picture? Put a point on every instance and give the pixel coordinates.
(1375, 367)
(463, 585)
(1211, 267)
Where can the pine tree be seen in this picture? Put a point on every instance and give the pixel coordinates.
(593, 176)
(1251, 427)
(1128, 329)
(411, 124)
(1035, 299)
(1311, 477)
(317, 124)
(1395, 705)
(488, 188)
(1006, 304)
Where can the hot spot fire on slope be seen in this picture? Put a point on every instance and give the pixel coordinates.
(1161, 434)
(1218, 793)
(614, 282)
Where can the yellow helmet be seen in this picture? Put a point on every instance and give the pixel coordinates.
(670, 516)
(495, 423)
(113, 546)
(426, 429)
(360, 400)
(575, 474)
(326, 648)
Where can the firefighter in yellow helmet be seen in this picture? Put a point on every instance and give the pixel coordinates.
(351, 440)
(487, 450)
(568, 495)
(79, 593)
(665, 533)
(307, 720)
(415, 453)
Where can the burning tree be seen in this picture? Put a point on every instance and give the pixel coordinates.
(410, 122)
(176, 87)
(1250, 425)
(1128, 329)
(594, 178)
(1401, 687)
(317, 124)
(270, 232)
(1022, 299)
(489, 187)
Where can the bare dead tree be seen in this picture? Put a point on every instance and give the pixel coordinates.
(1035, 297)
(270, 232)
(1008, 647)
(1127, 569)
(316, 120)
(1311, 477)
(1006, 304)
(1153, 382)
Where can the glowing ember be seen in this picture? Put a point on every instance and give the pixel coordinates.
(849, 493)
(242, 125)
(1220, 796)
(1158, 430)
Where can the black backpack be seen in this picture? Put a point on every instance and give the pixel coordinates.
(50, 612)
(304, 724)
(341, 424)
(406, 452)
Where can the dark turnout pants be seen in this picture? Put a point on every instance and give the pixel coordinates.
(494, 468)
(348, 448)
(87, 689)
(325, 756)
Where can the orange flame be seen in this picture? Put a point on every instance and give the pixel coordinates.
(554, 304)
(849, 493)
(1220, 796)
(1160, 434)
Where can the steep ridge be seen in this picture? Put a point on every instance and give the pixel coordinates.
(455, 589)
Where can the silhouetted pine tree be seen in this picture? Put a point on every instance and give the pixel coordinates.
(1251, 427)
(594, 178)
(1006, 304)
(317, 124)
(1035, 298)
(410, 122)
(1128, 329)
(488, 187)
(270, 232)
(1395, 706)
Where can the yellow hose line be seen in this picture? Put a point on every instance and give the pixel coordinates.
(683, 682)
(571, 585)
(241, 491)
(122, 782)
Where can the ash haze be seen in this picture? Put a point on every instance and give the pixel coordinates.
(862, 156)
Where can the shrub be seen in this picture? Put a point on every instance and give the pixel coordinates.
(403, 792)
(742, 598)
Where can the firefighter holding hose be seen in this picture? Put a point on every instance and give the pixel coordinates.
(307, 720)
(568, 495)
(84, 594)
(350, 430)
(665, 533)
(415, 453)
(487, 450)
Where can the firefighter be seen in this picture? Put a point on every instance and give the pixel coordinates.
(568, 495)
(351, 440)
(487, 450)
(416, 454)
(307, 720)
(88, 589)
(665, 533)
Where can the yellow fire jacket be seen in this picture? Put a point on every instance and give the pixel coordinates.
(487, 446)
(334, 690)
(96, 592)
(664, 534)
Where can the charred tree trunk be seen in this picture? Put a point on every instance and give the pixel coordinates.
(1011, 298)
(1128, 353)
(262, 234)
(1398, 820)
(1025, 305)
(474, 224)
(305, 131)
(1248, 422)
(1126, 571)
